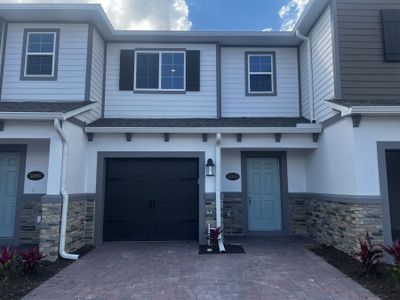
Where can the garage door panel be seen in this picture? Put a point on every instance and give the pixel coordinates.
(118, 187)
(151, 199)
(118, 169)
(138, 188)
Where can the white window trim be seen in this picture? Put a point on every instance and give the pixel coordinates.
(53, 54)
(260, 73)
(159, 71)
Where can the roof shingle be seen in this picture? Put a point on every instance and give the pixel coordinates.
(39, 106)
(351, 103)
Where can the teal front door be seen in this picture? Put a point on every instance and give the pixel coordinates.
(9, 166)
(264, 194)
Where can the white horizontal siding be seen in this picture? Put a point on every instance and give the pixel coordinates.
(304, 81)
(70, 83)
(321, 37)
(126, 104)
(96, 83)
(235, 103)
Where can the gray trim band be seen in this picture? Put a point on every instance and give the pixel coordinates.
(232, 195)
(89, 52)
(218, 60)
(51, 199)
(24, 77)
(336, 50)
(32, 197)
(3, 57)
(209, 196)
(103, 96)
(351, 199)
(82, 197)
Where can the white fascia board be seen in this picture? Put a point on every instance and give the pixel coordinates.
(344, 110)
(44, 115)
(79, 110)
(365, 110)
(375, 110)
(30, 116)
(232, 130)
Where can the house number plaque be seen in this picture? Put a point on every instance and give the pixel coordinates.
(232, 176)
(35, 175)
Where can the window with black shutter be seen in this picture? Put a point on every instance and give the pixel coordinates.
(159, 70)
(391, 34)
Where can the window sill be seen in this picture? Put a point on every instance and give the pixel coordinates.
(38, 78)
(260, 94)
(159, 92)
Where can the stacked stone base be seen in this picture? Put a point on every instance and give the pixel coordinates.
(40, 224)
(341, 224)
(336, 223)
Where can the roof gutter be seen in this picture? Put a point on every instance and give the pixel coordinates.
(300, 128)
(310, 73)
(45, 116)
(366, 110)
(64, 193)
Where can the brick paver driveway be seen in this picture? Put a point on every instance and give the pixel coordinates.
(272, 269)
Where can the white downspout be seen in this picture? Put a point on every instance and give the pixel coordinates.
(218, 188)
(310, 74)
(64, 194)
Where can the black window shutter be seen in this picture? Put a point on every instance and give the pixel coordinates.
(391, 34)
(126, 70)
(193, 70)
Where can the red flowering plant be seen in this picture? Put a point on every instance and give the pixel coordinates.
(369, 254)
(8, 261)
(31, 258)
(215, 234)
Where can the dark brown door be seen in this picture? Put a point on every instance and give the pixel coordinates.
(152, 199)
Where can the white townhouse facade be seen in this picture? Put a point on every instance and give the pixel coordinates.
(113, 135)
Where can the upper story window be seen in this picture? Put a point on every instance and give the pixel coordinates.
(260, 74)
(40, 55)
(160, 71)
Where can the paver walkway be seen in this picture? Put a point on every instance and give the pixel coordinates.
(273, 268)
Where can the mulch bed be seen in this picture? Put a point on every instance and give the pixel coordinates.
(229, 249)
(379, 283)
(20, 285)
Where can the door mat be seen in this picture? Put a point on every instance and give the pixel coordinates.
(229, 249)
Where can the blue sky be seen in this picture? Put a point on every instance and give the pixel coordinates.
(235, 14)
(197, 14)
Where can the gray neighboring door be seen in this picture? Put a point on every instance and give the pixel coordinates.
(9, 169)
(264, 194)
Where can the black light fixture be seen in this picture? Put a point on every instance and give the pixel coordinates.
(210, 167)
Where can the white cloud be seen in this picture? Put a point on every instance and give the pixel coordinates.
(291, 12)
(267, 29)
(137, 14)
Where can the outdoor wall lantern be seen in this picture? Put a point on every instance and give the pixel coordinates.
(210, 167)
